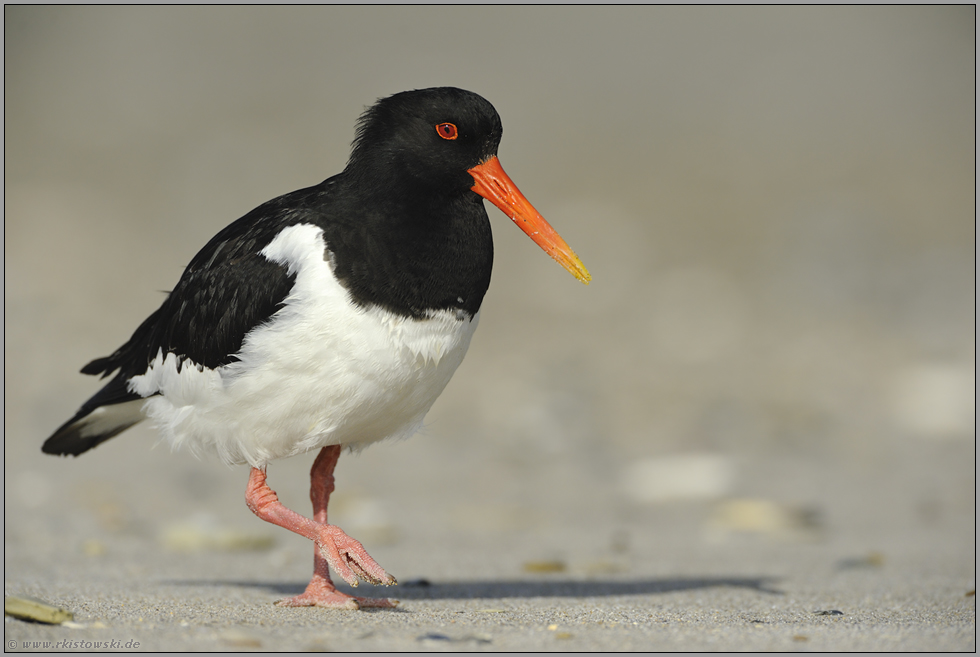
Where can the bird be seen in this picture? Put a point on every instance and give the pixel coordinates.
(327, 318)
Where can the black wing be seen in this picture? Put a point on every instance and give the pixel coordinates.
(228, 289)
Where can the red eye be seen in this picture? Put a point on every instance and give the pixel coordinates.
(447, 131)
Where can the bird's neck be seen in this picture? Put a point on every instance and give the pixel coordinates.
(416, 254)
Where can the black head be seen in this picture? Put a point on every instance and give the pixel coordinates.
(429, 136)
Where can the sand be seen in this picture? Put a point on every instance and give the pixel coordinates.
(755, 430)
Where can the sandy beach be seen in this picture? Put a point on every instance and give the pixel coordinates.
(755, 429)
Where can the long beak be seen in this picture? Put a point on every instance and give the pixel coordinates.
(497, 187)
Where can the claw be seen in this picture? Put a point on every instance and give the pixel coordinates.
(349, 559)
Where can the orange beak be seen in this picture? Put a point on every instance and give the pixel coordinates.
(497, 187)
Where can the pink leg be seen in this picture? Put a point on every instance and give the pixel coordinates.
(331, 545)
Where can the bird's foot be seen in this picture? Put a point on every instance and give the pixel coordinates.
(337, 600)
(321, 593)
(349, 559)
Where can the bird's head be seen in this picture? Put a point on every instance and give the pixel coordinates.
(444, 140)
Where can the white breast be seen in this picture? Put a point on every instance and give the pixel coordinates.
(321, 372)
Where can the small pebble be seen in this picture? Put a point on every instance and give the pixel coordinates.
(871, 560)
(761, 516)
(240, 639)
(544, 567)
(679, 477)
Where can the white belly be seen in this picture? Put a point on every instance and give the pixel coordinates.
(322, 372)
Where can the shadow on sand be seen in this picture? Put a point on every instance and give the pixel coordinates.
(527, 588)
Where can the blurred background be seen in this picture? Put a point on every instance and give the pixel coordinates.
(777, 205)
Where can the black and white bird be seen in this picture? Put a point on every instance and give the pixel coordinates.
(329, 317)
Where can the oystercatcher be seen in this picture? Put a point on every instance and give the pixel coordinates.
(329, 317)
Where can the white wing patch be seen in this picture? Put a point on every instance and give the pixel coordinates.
(111, 417)
(322, 371)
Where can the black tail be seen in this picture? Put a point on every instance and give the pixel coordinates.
(108, 413)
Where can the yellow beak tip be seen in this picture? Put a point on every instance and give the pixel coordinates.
(578, 270)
